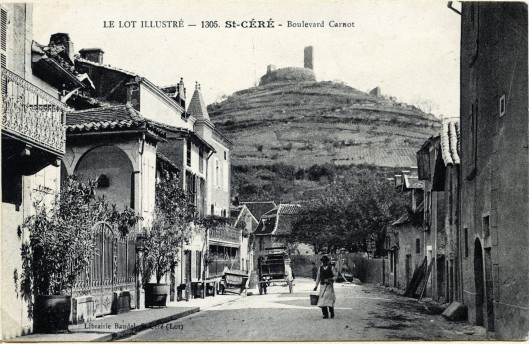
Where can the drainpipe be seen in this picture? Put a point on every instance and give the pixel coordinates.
(450, 6)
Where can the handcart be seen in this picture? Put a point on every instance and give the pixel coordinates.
(234, 281)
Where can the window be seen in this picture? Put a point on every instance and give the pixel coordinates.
(472, 144)
(3, 45)
(201, 160)
(418, 246)
(212, 210)
(216, 179)
(473, 34)
(188, 152)
(198, 265)
(486, 226)
(261, 243)
(502, 105)
(3, 37)
(225, 155)
(466, 249)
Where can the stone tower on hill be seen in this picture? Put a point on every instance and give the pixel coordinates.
(291, 74)
(308, 57)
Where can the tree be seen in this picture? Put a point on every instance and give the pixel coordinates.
(352, 211)
(172, 225)
(61, 239)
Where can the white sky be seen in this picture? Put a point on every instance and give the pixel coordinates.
(410, 49)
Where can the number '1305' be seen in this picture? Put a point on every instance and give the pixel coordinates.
(209, 24)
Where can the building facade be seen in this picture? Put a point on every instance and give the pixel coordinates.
(494, 166)
(405, 237)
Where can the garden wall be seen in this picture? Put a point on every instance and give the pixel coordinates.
(365, 269)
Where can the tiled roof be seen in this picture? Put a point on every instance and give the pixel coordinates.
(197, 107)
(105, 66)
(266, 225)
(278, 221)
(289, 209)
(450, 142)
(259, 208)
(107, 118)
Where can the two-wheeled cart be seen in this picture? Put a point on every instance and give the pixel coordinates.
(274, 267)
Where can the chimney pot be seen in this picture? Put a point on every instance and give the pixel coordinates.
(92, 54)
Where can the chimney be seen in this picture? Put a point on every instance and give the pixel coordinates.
(92, 54)
(181, 93)
(63, 39)
(308, 57)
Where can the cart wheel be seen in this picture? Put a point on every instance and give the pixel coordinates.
(290, 287)
(260, 289)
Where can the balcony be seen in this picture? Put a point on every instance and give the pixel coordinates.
(226, 234)
(31, 115)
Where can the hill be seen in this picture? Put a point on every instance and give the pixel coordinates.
(301, 124)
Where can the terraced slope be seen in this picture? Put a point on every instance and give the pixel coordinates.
(310, 123)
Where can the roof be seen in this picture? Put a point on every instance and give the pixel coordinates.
(412, 182)
(279, 220)
(266, 225)
(107, 118)
(197, 107)
(238, 212)
(406, 218)
(169, 164)
(79, 59)
(289, 209)
(193, 135)
(450, 142)
(259, 208)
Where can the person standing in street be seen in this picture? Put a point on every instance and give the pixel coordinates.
(325, 277)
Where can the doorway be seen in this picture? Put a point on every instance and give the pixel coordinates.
(479, 283)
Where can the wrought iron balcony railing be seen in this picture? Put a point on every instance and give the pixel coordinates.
(31, 114)
(225, 234)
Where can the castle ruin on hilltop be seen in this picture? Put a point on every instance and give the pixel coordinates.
(291, 74)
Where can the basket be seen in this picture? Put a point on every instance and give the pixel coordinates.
(314, 298)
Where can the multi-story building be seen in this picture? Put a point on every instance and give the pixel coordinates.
(33, 85)
(191, 146)
(431, 171)
(494, 166)
(405, 237)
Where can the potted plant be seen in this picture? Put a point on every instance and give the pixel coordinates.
(171, 226)
(58, 248)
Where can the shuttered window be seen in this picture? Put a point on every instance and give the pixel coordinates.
(3, 45)
(3, 36)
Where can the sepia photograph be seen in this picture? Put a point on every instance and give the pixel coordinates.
(321, 170)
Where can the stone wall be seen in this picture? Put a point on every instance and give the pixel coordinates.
(288, 74)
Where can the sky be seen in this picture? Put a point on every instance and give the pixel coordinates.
(410, 49)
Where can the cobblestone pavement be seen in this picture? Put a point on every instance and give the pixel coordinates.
(362, 312)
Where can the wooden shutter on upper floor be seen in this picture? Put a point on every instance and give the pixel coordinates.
(3, 45)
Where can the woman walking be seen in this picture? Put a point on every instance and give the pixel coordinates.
(325, 277)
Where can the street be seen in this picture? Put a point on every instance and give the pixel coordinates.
(362, 312)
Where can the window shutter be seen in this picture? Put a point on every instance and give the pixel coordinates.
(3, 37)
(3, 46)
